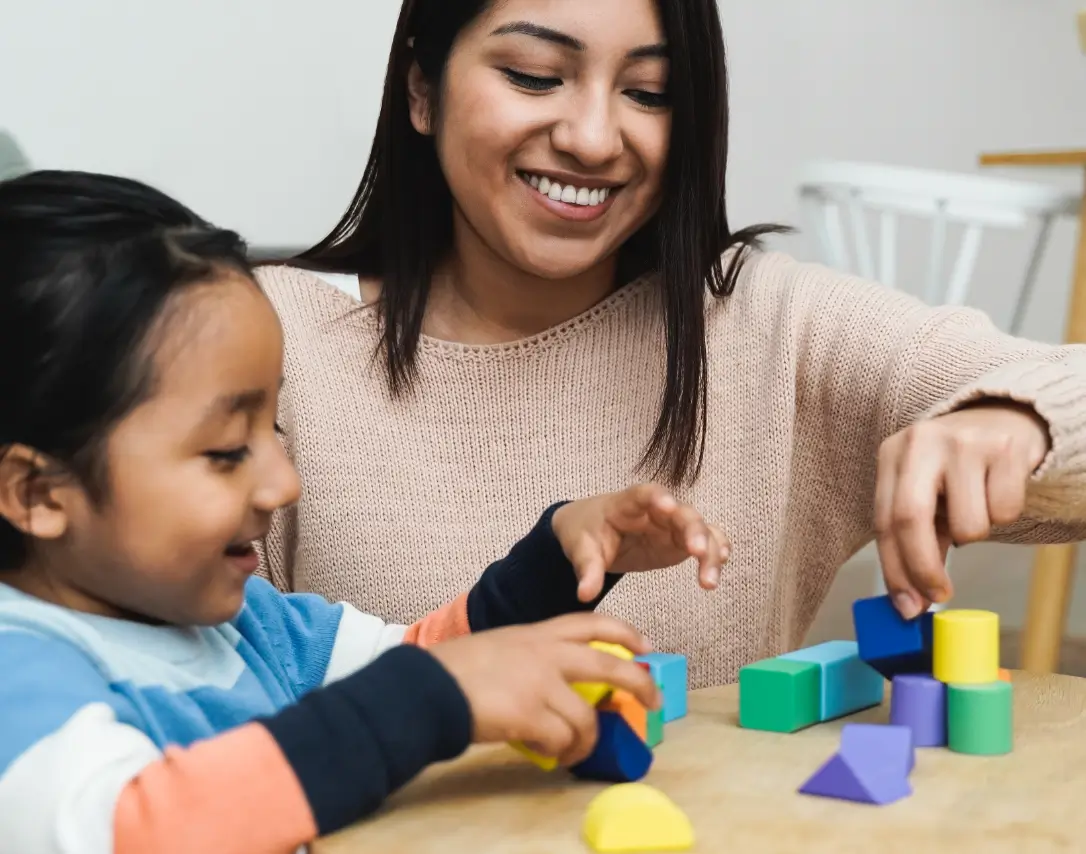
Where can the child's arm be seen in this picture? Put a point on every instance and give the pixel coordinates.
(79, 774)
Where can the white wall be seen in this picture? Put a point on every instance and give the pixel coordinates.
(259, 113)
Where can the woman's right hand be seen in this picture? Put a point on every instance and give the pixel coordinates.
(517, 680)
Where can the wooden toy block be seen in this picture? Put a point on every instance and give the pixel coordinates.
(872, 766)
(848, 683)
(669, 671)
(965, 647)
(620, 756)
(980, 718)
(591, 692)
(1004, 674)
(918, 701)
(780, 696)
(627, 705)
(634, 817)
(890, 643)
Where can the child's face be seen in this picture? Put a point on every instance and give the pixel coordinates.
(194, 472)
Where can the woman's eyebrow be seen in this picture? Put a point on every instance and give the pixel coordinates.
(557, 37)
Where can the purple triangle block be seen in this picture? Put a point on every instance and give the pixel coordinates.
(883, 746)
(865, 783)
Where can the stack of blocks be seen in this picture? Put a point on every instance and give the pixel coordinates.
(947, 690)
(627, 730)
(630, 816)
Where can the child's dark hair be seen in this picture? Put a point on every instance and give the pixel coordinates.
(88, 264)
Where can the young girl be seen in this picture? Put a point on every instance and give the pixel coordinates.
(154, 694)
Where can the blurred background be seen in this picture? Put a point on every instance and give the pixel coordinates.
(258, 113)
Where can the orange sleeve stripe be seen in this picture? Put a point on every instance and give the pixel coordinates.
(448, 622)
(231, 794)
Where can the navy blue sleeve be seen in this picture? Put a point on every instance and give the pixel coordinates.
(354, 742)
(534, 582)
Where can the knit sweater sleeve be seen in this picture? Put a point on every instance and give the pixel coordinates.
(871, 361)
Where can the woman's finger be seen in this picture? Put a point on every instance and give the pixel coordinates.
(920, 482)
(907, 599)
(1005, 487)
(966, 498)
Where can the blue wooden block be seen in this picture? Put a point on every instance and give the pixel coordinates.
(890, 643)
(669, 672)
(848, 683)
(620, 756)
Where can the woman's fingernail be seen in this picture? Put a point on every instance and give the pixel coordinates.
(712, 576)
(906, 605)
(725, 554)
(699, 543)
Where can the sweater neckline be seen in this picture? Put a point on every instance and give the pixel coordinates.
(554, 336)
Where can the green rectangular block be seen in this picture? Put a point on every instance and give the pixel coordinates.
(779, 695)
(655, 730)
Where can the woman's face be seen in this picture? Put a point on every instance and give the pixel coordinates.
(554, 129)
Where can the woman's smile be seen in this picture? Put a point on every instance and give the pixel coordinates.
(583, 200)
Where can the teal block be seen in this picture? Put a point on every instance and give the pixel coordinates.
(848, 683)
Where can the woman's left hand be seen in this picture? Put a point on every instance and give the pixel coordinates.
(949, 481)
(643, 527)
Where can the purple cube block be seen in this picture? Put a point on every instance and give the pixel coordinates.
(918, 702)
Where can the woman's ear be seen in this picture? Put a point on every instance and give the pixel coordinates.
(418, 100)
(32, 498)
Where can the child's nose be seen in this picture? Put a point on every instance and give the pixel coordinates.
(281, 487)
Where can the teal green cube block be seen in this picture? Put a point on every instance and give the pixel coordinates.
(655, 730)
(778, 695)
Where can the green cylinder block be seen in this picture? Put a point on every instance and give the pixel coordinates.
(980, 718)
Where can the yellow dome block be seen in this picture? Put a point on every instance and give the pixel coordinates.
(634, 817)
(592, 693)
(965, 647)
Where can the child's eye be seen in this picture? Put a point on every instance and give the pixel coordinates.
(229, 457)
(530, 82)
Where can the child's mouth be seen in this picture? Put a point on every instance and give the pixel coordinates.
(244, 557)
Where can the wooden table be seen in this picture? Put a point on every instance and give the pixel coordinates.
(739, 789)
(1054, 566)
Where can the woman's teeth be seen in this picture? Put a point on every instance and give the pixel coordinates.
(569, 194)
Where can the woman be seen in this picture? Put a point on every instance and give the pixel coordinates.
(553, 301)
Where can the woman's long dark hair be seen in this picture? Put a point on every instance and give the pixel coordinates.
(399, 224)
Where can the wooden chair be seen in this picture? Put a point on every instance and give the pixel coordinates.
(839, 198)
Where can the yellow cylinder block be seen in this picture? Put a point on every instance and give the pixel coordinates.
(965, 646)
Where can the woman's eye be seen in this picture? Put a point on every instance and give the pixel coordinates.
(530, 82)
(654, 100)
(229, 457)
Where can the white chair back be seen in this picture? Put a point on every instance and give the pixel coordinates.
(838, 198)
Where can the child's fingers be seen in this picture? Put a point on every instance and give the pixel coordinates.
(645, 499)
(582, 663)
(551, 733)
(585, 627)
(579, 717)
(590, 567)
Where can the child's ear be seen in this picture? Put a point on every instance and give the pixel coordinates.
(418, 100)
(31, 496)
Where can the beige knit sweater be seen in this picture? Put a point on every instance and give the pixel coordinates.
(405, 502)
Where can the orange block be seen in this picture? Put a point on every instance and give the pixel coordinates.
(1004, 674)
(627, 705)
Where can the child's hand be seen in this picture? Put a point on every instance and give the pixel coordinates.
(640, 528)
(517, 680)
